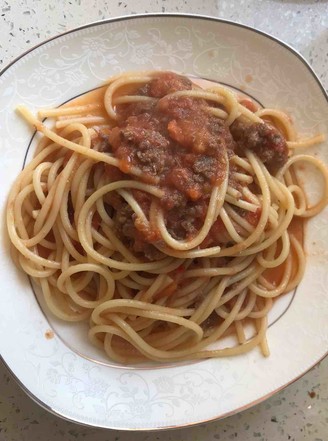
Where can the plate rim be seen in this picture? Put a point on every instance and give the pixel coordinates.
(172, 14)
(56, 413)
(120, 18)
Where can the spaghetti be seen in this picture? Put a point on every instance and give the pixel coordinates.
(163, 213)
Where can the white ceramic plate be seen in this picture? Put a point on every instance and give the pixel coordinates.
(65, 374)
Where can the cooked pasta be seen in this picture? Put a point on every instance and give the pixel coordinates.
(167, 215)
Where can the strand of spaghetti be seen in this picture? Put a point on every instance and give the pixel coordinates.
(163, 265)
(217, 112)
(60, 111)
(86, 120)
(171, 338)
(266, 201)
(130, 335)
(131, 284)
(198, 93)
(241, 349)
(86, 212)
(245, 278)
(247, 115)
(33, 271)
(101, 209)
(238, 219)
(64, 311)
(238, 350)
(123, 292)
(299, 195)
(264, 311)
(145, 281)
(307, 142)
(233, 192)
(285, 250)
(54, 171)
(21, 247)
(240, 332)
(230, 227)
(282, 119)
(88, 267)
(192, 286)
(230, 101)
(244, 313)
(38, 185)
(216, 202)
(319, 206)
(133, 99)
(167, 341)
(223, 311)
(297, 247)
(50, 208)
(84, 217)
(115, 85)
(65, 215)
(243, 163)
(258, 290)
(67, 242)
(136, 304)
(160, 282)
(109, 331)
(81, 282)
(263, 344)
(18, 210)
(134, 205)
(118, 245)
(242, 177)
(210, 302)
(254, 199)
(101, 239)
(187, 299)
(90, 153)
(25, 175)
(168, 318)
(274, 234)
(275, 187)
(167, 268)
(241, 203)
(156, 354)
(78, 188)
(223, 271)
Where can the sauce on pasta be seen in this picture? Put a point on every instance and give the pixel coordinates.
(165, 212)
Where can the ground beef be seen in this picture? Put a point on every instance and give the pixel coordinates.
(100, 142)
(176, 140)
(124, 223)
(142, 138)
(185, 221)
(205, 166)
(126, 110)
(125, 226)
(173, 198)
(167, 83)
(150, 252)
(266, 141)
(179, 108)
(139, 142)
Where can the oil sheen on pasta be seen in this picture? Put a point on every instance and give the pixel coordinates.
(167, 214)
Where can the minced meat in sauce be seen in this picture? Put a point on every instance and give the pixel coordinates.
(264, 140)
(179, 146)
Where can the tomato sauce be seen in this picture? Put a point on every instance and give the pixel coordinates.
(175, 140)
(182, 149)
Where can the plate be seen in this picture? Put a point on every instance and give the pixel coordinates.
(53, 362)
